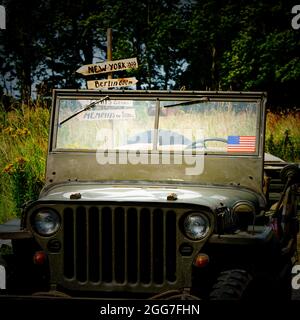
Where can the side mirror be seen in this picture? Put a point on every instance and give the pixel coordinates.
(290, 173)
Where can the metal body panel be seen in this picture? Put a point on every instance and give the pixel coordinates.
(210, 196)
(228, 171)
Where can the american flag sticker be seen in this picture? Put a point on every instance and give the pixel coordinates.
(241, 144)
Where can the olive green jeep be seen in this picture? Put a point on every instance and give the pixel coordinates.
(159, 195)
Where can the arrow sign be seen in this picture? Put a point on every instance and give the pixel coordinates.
(108, 66)
(109, 83)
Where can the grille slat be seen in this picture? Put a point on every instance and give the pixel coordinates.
(145, 245)
(132, 248)
(106, 232)
(69, 243)
(170, 248)
(113, 245)
(138, 248)
(81, 244)
(120, 245)
(94, 245)
(158, 246)
(126, 246)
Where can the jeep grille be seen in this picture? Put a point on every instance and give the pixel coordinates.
(114, 245)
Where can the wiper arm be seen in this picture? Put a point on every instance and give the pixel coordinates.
(89, 106)
(186, 103)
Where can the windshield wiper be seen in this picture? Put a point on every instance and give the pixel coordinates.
(89, 106)
(186, 103)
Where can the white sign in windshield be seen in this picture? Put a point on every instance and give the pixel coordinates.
(123, 103)
(115, 114)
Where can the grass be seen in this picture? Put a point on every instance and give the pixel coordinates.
(283, 134)
(23, 149)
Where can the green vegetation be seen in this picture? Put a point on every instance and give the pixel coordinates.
(199, 45)
(283, 134)
(23, 147)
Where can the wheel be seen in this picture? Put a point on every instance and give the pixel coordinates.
(231, 285)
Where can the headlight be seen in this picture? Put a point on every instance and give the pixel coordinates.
(196, 226)
(244, 214)
(46, 222)
(243, 207)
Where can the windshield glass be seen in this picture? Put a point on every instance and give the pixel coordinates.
(226, 127)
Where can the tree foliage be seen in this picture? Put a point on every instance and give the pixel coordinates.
(199, 45)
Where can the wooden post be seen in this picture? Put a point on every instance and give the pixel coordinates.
(109, 75)
(109, 49)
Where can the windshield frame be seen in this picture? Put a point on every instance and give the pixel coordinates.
(178, 97)
(82, 166)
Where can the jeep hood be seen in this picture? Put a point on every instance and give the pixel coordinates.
(210, 196)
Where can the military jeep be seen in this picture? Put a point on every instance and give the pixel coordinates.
(157, 195)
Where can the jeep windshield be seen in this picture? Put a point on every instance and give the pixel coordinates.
(146, 137)
(207, 125)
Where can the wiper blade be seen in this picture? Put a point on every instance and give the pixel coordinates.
(186, 103)
(89, 106)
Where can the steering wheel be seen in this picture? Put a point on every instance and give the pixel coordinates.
(201, 142)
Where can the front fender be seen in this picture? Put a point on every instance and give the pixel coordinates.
(11, 230)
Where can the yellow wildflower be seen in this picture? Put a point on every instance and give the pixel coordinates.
(20, 161)
(22, 132)
(8, 168)
(9, 130)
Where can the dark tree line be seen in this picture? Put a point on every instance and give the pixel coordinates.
(198, 45)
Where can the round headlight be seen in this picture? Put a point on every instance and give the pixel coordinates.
(196, 226)
(46, 222)
(244, 214)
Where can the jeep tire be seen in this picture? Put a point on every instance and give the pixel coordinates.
(231, 285)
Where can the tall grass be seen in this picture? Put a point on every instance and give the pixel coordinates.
(23, 149)
(283, 134)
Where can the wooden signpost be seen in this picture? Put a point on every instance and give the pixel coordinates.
(109, 83)
(109, 49)
(108, 66)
